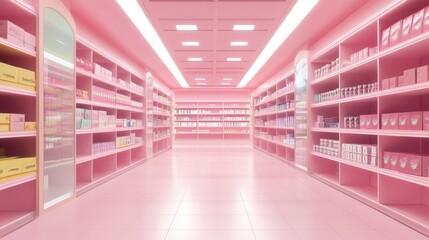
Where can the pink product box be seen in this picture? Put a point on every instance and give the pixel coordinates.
(417, 27)
(422, 74)
(416, 120)
(418, 165)
(95, 119)
(385, 121)
(385, 39)
(394, 161)
(403, 162)
(393, 82)
(425, 120)
(372, 51)
(406, 28)
(401, 81)
(426, 20)
(395, 33)
(404, 121)
(386, 160)
(12, 39)
(393, 121)
(362, 119)
(29, 41)
(12, 29)
(368, 122)
(374, 120)
(17, 122)
(385, 83)
(409, 76)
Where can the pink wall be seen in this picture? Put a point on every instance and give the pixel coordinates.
(217, 94)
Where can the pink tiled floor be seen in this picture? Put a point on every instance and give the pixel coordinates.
(214, 190)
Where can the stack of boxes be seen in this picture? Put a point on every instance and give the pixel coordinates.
(411, 76)
(328, 147)
(103, 95)
(103, 72)
(408, 163)
(405, 121)
(17, 77)
(16, 35)
(361, 153)
(360, 55)
(326, 122)
(83, 118)
(103, 147)
(126, 141)
(369, 121)
(327, 68)
(15, 122)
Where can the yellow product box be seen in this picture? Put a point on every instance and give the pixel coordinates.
(17, 85)
(10, 166)
(8, 73)
(4, 127)
(4, 118)
(26, 77)
(28, 164)
(30, 126)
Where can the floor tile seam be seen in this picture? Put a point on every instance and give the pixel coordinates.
(172, 221)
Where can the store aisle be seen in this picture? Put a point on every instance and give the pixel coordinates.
(214, 190)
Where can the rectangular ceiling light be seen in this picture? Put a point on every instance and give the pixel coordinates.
(227, 79)
(233, 59)
(292, 20)
(238, 44)
(195, 59)
(191, 44)
(200, 79)
(186, 27)
(245, 27)
(140, 20)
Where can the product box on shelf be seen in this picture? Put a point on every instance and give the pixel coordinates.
(30, 126)
(29, 41)
(28, 164)
(406, 28)
(385, 83)
(12, 39)
(368, 122)
(17, 122)
(426, 120)
(393, 121)
(394, 161)
(418, 164)
(12, 29)
(385, 39)
(401, 81)
(362, 119)
(385, 121)
(426, 20)
(374, 121)
(386, 160)
(409, 76)
(26, 77)
(10, 166)
(8, 73)
(393, 82)
(417, 27)
(404, 121)
(395, 33)
(403, 162)
(416, 120)
(423, 74)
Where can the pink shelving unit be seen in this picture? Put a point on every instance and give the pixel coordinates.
(370, 79)
(17, 193)
(110, 115)
(274, 119)
(212, 120)
(162, 121)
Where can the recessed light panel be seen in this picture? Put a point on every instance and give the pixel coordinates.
(233, 59)
(195, 59)
(191, 44)
(227, 79)
(238, 44)
(200, 79)
(186, 27)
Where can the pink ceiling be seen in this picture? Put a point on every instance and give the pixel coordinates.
(214, 19)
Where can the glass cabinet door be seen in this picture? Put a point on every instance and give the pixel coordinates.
(58, 108)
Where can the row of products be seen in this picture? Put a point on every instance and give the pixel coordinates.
(352, 122)
(229, 118)
(17, 35)
(186, 111)
(405, 121)
(125, 141)
(87, 119)
(161, 134)
(346, 92)
(286, 105)
(82, 94)
(326, 122)
(409, 163)
(160, 110)
(15, 122)
(369, 121)
(288, 121)
(360, 56)
(289, 87)
(160, 98)
(103, 72)
(361, 153)
(161, 122)
(411, 76)
(185, 124)
(236, 124)
(236, 131)
(111, 97)
(205, 118)
(11, 166)
(327, 68)
(288, 139)
(210, 124)
(103, 147)
(328, 147)
(235, 111)
(84, 64)
(405, 29)
(16, 77)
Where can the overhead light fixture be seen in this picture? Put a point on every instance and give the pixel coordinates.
(195, 59)
(238, 44)
(225, 83)
(200, 79)
(292, 20)
(186, 27)
(192, 44)
(140, 20)
(243, 27)
(227, 79)
(233, 59)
